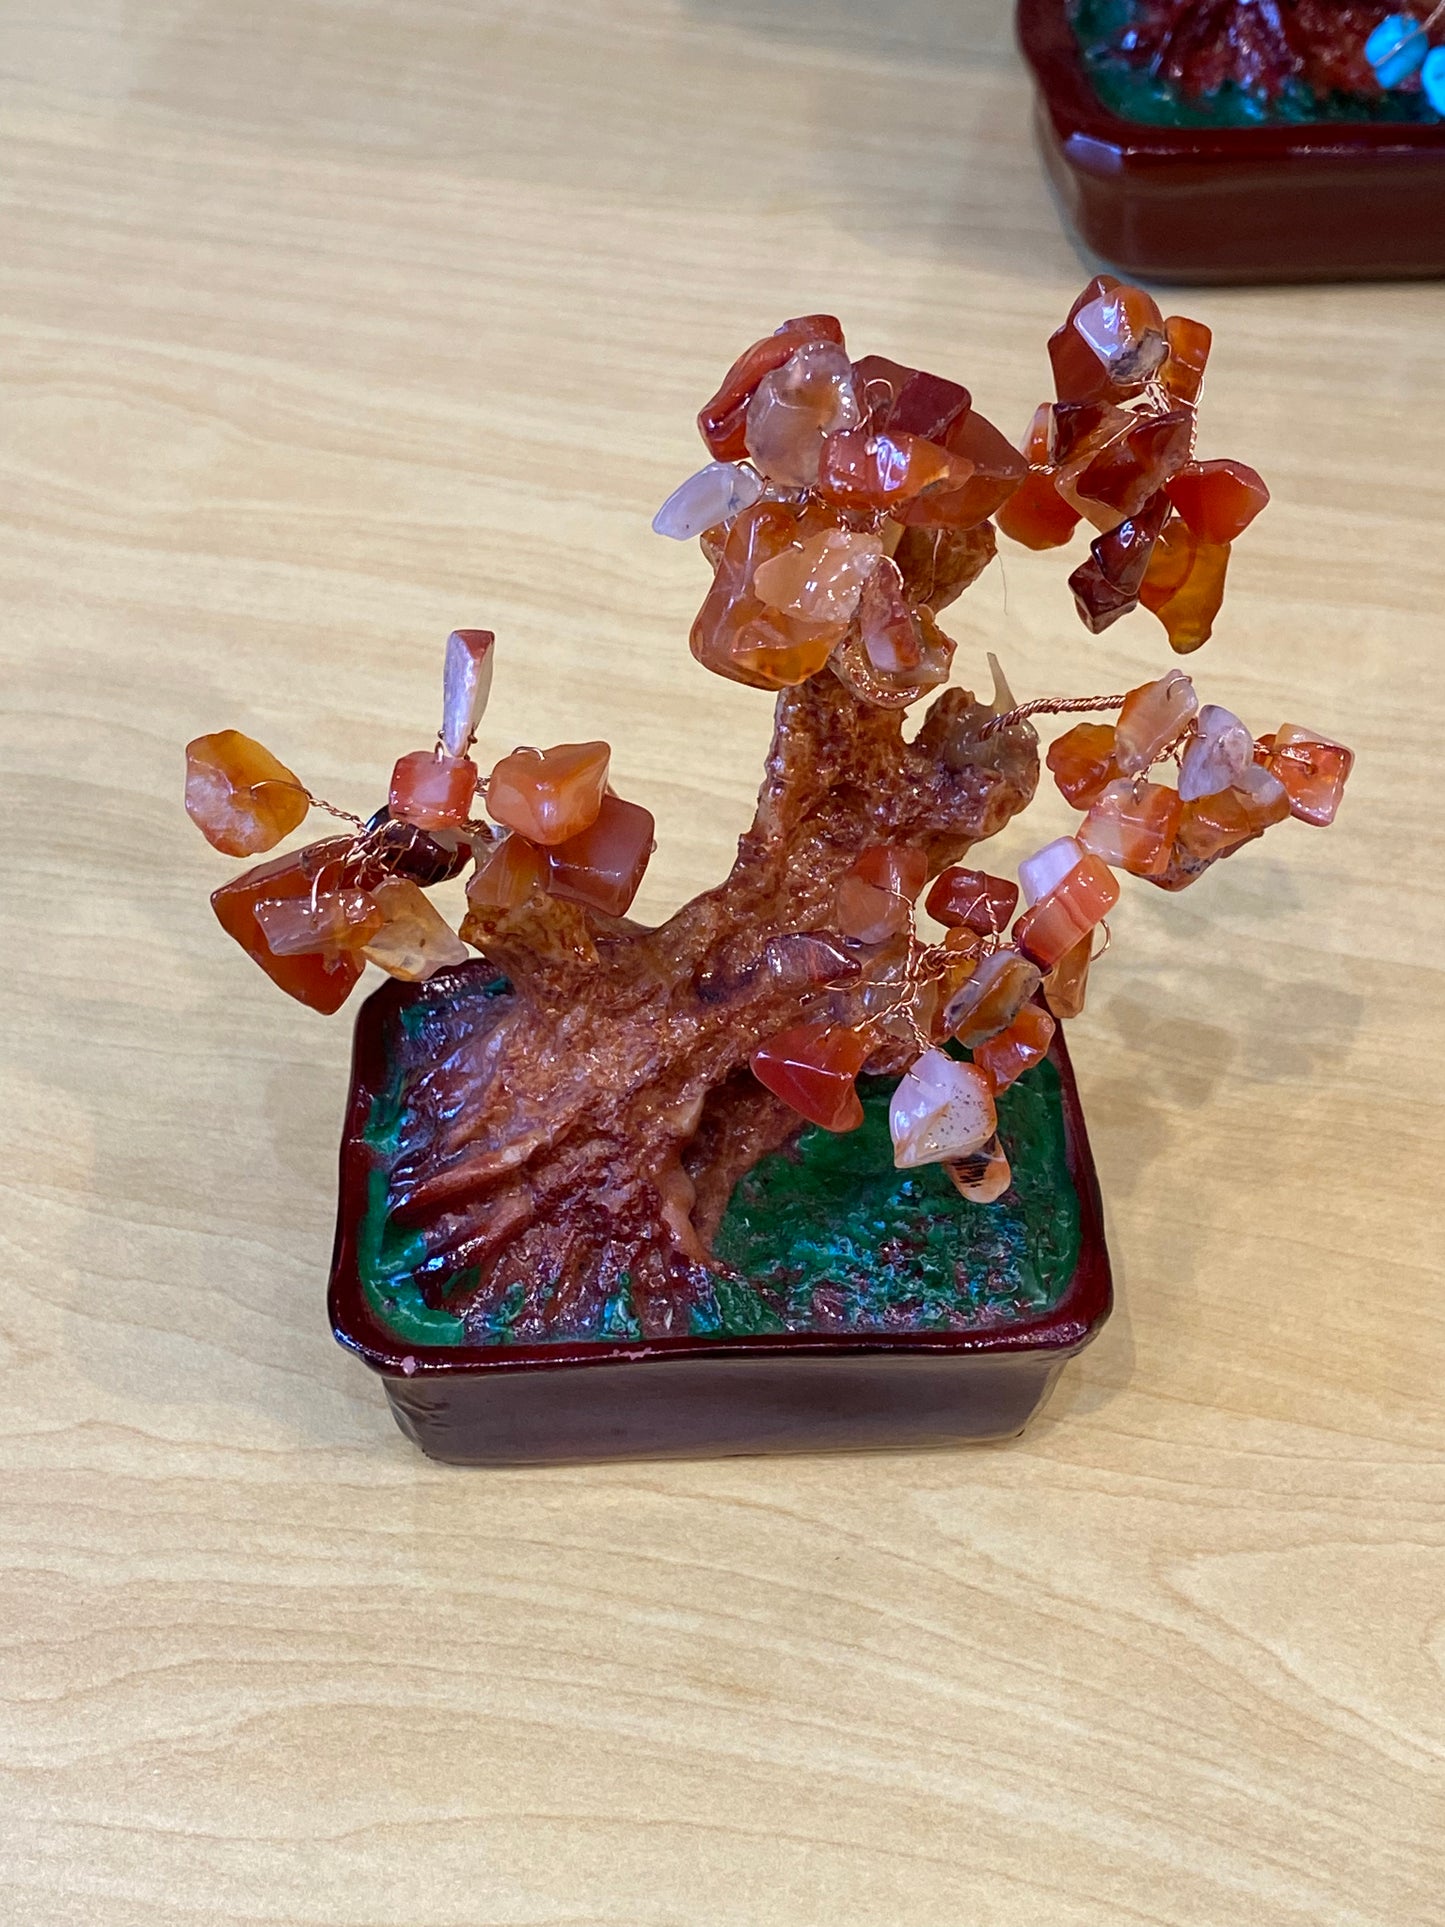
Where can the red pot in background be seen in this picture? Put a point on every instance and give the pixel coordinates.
(1329, 201)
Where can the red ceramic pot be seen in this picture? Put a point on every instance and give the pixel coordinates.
(694, 1397)
(1331, 201)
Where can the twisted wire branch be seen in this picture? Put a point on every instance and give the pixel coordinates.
(1050, 706)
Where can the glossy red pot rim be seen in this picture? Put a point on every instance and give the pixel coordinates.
(1083, 1307)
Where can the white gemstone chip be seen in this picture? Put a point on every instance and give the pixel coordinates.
(1217, 757)
(1046, 869)
(715, 494)
(466, 685)
(941, 1109)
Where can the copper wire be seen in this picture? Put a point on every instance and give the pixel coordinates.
(1050, 706)
(344, 816)
(1175, 747)
(1292, 752)
(1423, 26)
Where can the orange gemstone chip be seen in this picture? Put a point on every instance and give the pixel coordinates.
(736, 633)
(508, 874)
(603, 865)
(861, 468)
(415, 940)
(998, 469)
(1132, 825)
(550, 795)
(1151, 719)
(1184, 584)
(875, 896)
(1312, 769)
(327, 921)
(723, 421)
(814, 1068)
(1218, 500)
(972, 900)
(1036, 514)
(1066, 985)
(238, 796)
(1214, 825)
(1082, 761)
(1006, 1056)
(1189, 345)
(321, 980)
(991, 998)
(1070, 911)
(433, 790)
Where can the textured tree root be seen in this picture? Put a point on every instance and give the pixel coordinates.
(584, 1138)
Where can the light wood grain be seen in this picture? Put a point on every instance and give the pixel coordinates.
(326, 327)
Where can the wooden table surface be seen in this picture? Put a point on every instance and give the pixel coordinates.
(328, 327)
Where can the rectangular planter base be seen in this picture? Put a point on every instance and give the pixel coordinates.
(705, 1394)
(720, 1406)
(1320, 201)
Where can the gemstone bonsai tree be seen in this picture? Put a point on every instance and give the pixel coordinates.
(582, 1094)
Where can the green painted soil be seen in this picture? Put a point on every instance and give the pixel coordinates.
(823, 1236)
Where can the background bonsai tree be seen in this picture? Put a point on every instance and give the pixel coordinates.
(1246, 60)
(580, 1103)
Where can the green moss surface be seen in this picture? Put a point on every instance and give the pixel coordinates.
(828, 1235)
(824, 1235)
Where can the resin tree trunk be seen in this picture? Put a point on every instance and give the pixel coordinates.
(583, 1138)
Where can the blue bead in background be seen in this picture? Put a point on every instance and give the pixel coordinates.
(1432, 78)
(1396, 48)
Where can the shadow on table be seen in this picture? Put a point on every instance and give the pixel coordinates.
(921, 125)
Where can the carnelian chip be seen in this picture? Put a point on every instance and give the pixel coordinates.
(1082, 762)
(722, 422)
(1009, 1053)
(998, 469)
(1128, 470)
(1312, 769)
(322, 981)
(878, 470)
(603, 865)
(549, 795)
(415, 940)
(875, 897)
(991, 997)
(1107, 585)
(240, 798)
(508, 874)
(1074, 907)
(972, 900)
(327, 920)
(1067, 983)
(1079, 375)
(1189, 344)
(887, 626)
(1184, 585)
(1151, 719)
(1218, 500)
(814, 1067)
(432, 790)
(738, 635)
(1036, 515)
(1212, 826)
(1132, 825)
